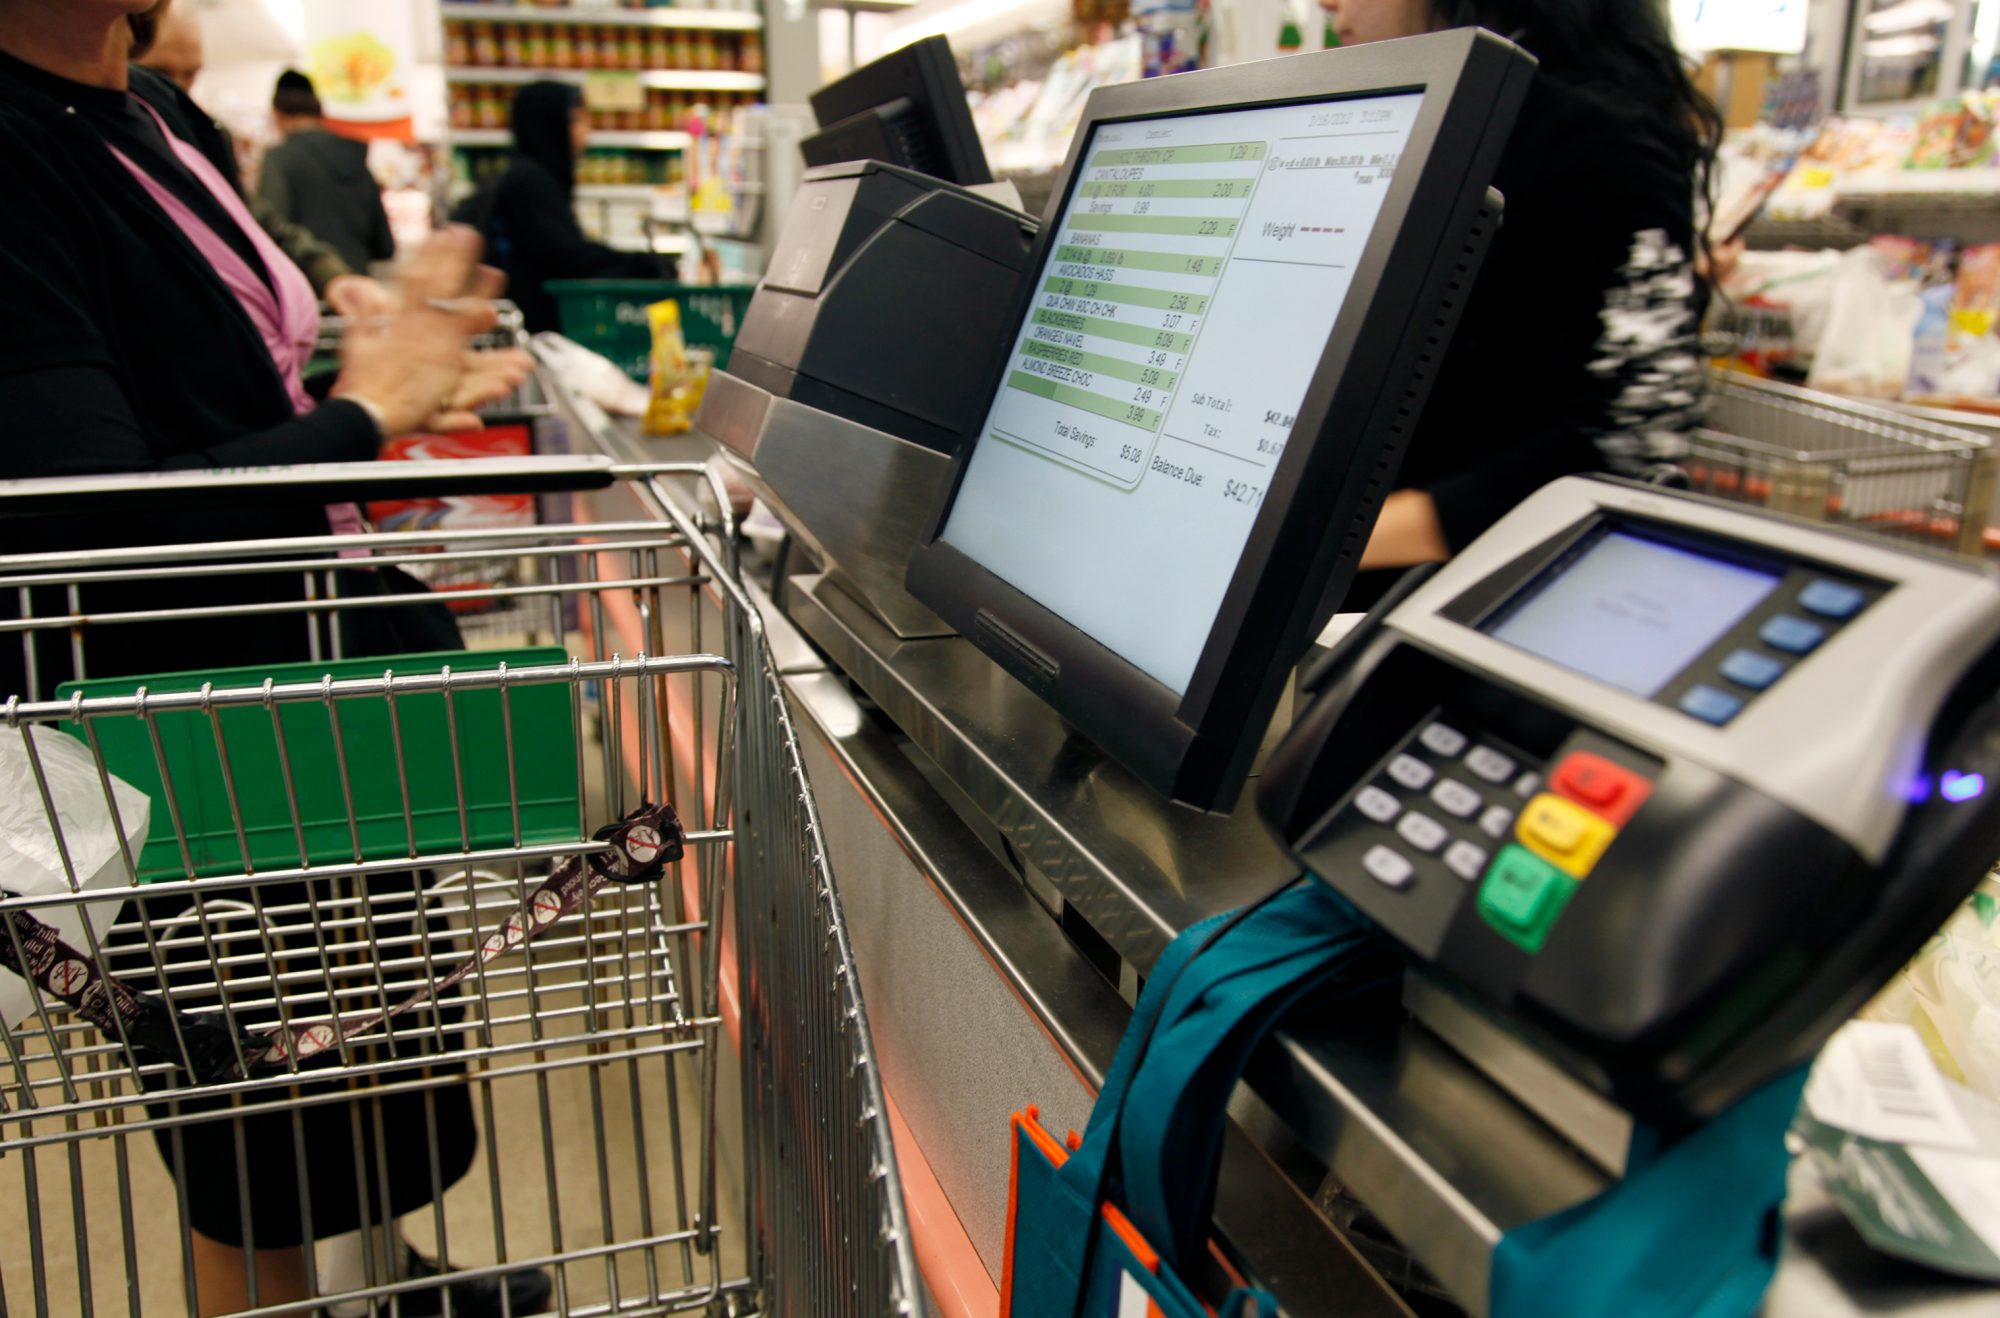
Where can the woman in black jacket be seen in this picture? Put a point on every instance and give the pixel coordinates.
(528, 214)
(147, 325)
(1576, 351)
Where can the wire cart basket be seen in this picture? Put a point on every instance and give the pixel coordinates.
(427, 958)
(1842, 460)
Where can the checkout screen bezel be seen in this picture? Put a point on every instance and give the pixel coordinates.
(1323, 496)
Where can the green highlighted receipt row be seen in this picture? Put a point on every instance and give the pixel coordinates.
(1134, 414)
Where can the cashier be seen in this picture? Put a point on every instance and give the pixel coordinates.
(1576, 351)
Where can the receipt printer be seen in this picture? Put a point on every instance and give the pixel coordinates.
(884, 299)
(1665, 786)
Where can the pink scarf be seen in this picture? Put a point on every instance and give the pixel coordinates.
(285, 311)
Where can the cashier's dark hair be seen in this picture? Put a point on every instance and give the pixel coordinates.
(1619, 53)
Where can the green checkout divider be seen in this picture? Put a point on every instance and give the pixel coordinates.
(542, 751)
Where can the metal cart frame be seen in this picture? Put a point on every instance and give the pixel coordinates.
(622, 997)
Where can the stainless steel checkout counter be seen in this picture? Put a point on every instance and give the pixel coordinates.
(1006, 887)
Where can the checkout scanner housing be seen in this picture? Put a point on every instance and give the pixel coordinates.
(845, 393)
(884, 296)
(1333, 437)
(1676, 878)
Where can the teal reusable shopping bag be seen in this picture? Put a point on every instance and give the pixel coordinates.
(1078, 1242)
(1690, 1231)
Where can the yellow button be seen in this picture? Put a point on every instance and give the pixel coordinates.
(1564, 834)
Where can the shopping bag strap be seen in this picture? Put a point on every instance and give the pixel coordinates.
(641, 846)
(1269, 952)
(1309, 945)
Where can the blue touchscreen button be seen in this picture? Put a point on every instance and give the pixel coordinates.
(1831, 599)
(1747, 668)
(1792, 635)
(1710, 705)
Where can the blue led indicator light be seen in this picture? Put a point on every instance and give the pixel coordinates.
(1955, 786)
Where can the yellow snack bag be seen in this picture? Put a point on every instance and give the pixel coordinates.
(679, 374)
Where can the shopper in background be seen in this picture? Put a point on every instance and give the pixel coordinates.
(528, 213)
(1576, 351)
(177, 55)
(147, 323)
(321, 180)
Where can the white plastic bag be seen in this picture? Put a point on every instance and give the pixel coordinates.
(1870, 330)
(592, 375)
(30, 864)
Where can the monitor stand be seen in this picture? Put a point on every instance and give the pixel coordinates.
(861, 499)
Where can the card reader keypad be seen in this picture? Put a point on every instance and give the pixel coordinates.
(1453, 816)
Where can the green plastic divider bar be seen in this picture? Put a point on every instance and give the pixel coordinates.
(1167, 263)
(543, 752)
(1117, 368)
(1238, 188)
(1164, 340)
(1097, 404)
(1186, 226)
(1128, 294)
(1219, 153)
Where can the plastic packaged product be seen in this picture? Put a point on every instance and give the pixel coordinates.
(32, 856)
(679, 373)
(1928, 345)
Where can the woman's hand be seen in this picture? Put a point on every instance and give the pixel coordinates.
(358, 297)
(490, 375)
(406, 367)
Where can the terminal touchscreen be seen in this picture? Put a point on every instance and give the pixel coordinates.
(1227, 336)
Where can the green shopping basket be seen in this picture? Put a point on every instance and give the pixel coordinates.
(385, 746)
(608, 316)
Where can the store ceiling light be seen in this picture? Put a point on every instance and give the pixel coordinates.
(957, 18)
(1909, 14)
(1895, 47)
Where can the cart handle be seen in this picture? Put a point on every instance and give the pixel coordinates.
(313, 482)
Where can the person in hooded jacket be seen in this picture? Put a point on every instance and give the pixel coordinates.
(320, 180)
(527, 214)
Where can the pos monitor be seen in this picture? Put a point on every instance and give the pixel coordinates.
(907, 108)
(1245, 287)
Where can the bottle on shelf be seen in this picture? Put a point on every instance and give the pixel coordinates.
(485, 46)
(457, 45)
(463, 115)
(659, 48)
(750, 57)
(535, 45)
(683, 49)
(609, 48)
(632, 49)
(490, 108)
(728, 52)
(586, 47)
(513, 45)
(562, 46)
(705, 57)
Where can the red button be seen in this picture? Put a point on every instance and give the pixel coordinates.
(1610, 790)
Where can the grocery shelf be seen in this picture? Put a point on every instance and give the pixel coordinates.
(1926, 189)
(713, 20)
(691, 80)
(656, 140)
(619, 191)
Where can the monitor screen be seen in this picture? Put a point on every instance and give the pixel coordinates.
(1632, 611)
(1185, 304)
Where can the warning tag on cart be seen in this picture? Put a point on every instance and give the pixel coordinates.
(641, 846)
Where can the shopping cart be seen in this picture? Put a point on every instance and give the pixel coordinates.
(382, 898)
(1842, 460)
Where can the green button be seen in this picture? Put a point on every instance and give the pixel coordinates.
(1522, 896)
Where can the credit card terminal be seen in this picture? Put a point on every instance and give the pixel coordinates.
(1671, 785)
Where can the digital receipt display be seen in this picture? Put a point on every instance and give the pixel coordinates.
(1188, 296)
